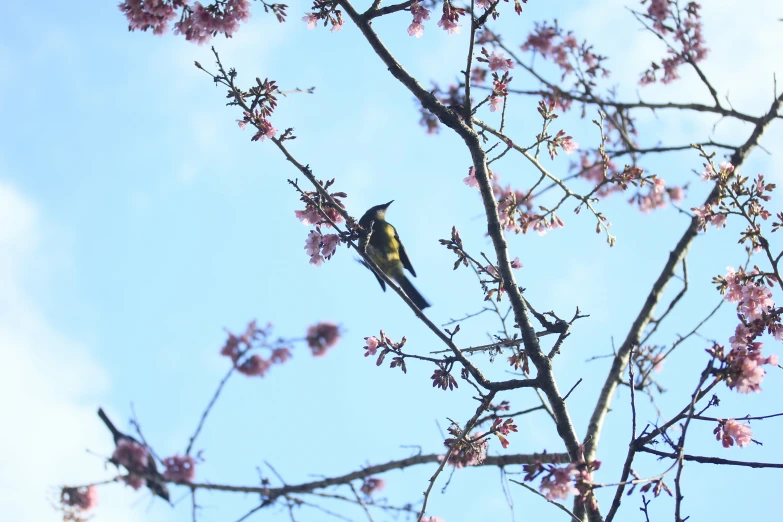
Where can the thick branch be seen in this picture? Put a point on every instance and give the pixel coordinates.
(645, 315)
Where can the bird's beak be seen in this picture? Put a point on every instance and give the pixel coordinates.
(389, 203)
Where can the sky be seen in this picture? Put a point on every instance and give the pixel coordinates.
(137, 222)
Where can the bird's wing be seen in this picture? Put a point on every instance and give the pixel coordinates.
(404, 255)
(381, 281)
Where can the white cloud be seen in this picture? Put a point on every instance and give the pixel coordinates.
(49, 384)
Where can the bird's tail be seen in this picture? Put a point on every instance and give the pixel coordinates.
(114, 431)
(414, 294)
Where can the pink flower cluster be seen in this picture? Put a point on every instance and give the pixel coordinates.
(312, 216)
(469, 452)
(757, 313)
(264, 128)
(744, 370)
(201, 23)
(448, 21)
(688, 34)
(420, 14)
(501, 427)
(83, 499)
(322, 337)
(327, 11)
(179, 468)
(557, 482)
(654, 198)
(432, 519)
(515, 208)
(551, 42)
(730, 431)
(151, 14)
(320, 247)
(131, 454)
(372, 485)
(255, 365)
(753, 300)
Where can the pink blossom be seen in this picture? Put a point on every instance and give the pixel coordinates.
(755, 301)
(498, 61)
(231, 348)
(330, 242)
(495, 103)
(726, 167)
(483, 4)
(311, 19)
(134, 481)
(372, 484)
(658, 10)
(309, 216)
(734, 288)
(420, 14)
(740, 338)
(254, 366)
(468, 453)
(179, 468)
(313, 248)
(471, 180)
(322, 336)
(149, 14)
(265, 130)
(204, 22)
(280, 355)
(416, 29)
(557, 484)
(450, 26)
(84, 499)
(569, 145)
(371, 346)
(676, 194)
(731, 431)
(337, 25)
(432, 519)
(744, 370)
(657, 362)
(516, 263)
(131, 454)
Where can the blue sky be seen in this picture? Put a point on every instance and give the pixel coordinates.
(137, 221)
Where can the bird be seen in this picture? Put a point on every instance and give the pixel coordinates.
(155, 481)
(385, 248)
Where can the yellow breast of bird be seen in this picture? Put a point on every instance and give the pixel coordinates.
(385, 249)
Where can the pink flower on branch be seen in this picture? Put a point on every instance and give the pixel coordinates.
(730, 431)
(326, 10)
(254, 366)
(83, 499)
(179, 468)
(371, 345)
(311, 20)
(322, 337)
(420, 14)
(200, 23)
(131, 454)
(448, 22)
(496, 60)
(372, 485)
(150, 14)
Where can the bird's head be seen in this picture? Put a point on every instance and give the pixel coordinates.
(378, 212)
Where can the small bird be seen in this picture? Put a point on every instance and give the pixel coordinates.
(385, 248)
(155, 481)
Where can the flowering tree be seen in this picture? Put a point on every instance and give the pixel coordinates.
(477, 108)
